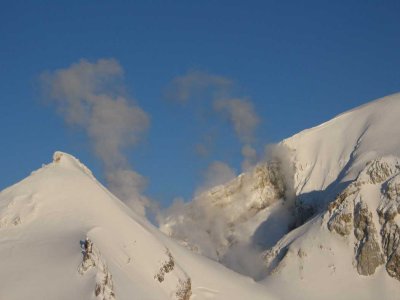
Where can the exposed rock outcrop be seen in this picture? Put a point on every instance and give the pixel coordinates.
(390, 232)
(368, 252)
(228, 215)
(390, 241)
(379, 170)
(347, 218)
(348, 213)
(341, 211)
(184, 289)
(350, 217)
(104, 288)
(166, 267)
(270, 176)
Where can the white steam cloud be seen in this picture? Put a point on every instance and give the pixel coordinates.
(91, 96)
(195, 84)
(217, 173)
(241, 114)
(250, 157)
(283, 155)
(236, 222)
(217, 89)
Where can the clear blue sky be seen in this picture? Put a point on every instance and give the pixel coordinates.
(300, 62)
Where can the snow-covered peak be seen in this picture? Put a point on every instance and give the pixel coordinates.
(65, 159)
(64, 235)
(68, 161)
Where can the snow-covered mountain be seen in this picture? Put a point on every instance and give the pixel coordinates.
(317, 219)
(64, 236)
(322, 210)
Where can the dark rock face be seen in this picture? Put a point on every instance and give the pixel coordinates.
(341, 223)
(341, 210)
(349, 217)
(166, 267)
(104, 288)
(390, 232)
(368, 253)
(341, 220)
(390, 238)
(349, 213)
(393, 265)
(346, 218)
(368, 257)
(184, 289)
(380, 170)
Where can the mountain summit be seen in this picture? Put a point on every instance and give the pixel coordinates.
(64, 236)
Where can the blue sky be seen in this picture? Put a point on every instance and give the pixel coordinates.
(299, 64)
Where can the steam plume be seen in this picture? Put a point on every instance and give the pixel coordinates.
(195, 84)
(215, 92)
(91, 96)
(241, 114)
(217, 173)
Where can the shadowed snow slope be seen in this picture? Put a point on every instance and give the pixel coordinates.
(64, 236)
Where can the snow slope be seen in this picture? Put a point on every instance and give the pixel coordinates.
(339, 149)
(47, 219)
